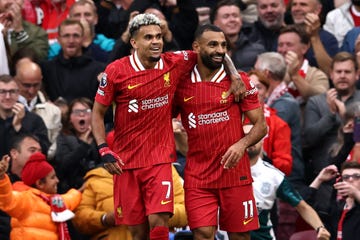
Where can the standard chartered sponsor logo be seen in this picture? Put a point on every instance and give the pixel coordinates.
(133, 106)
(205, 119)
(192, 120)
(155, 102)
(148, 103)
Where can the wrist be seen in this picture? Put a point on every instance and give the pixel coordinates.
(102, 145)
(318, 228)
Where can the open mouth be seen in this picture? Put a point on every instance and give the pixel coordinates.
(82, 122)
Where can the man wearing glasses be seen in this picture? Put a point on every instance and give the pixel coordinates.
(29, 79)
(14, 119)
(348, 225)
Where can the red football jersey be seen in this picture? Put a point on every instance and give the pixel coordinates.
(213, 123)
(143, 97)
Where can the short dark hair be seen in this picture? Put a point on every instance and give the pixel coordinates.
(17, 141)
(298, 29)
(343, 57)
(69, 22)
(350, 165)
(204, 28)
(5, 78)
(238, 3)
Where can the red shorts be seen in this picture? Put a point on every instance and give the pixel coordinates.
(236, 206)
(141, 192)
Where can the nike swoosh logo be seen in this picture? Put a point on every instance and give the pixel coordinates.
(165, 202)
(134, 86)
(188, 99)
(247, 221)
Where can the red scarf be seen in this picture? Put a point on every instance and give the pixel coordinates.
(340, 224)
(280, 90)
(57, 205)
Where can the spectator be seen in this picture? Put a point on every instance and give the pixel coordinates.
(76, 151)
(269, 183)
(348, 189)
(274, 67)
(265, 30)
(72, 74)
(323, 116)
(304, 80)
(323, 45)
(347, 16)
(96, 45)
(21, 33)
(29, 80)
(114, 15)
(22, 148)
(324, 112)
(227, 16)
(277, 142)
(37, 210)
(54, 13)
(15, 120)
(351, 39)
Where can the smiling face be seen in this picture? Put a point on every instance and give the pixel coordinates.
(148, 44)
(9, 94)
(271, 13)
(290, 41)
(48, 184)
(299, 8)
(212, 48)
(228, 18)
(80, 117)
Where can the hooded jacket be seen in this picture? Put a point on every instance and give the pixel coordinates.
(30, 214)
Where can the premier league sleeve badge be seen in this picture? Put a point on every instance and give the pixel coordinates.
(102, 77)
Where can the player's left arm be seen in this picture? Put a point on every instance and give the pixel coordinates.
(237, 87)
(235, 152)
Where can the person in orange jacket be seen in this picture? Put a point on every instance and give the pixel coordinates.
(37, 211)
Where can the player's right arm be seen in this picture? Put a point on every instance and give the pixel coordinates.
(110, 159)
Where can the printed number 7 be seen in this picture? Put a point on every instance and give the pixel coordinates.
(168, 184)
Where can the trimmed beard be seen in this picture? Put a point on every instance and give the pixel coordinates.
(209, 63)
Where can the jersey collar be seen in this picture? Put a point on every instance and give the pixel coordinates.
(218, 77)
(137, 65)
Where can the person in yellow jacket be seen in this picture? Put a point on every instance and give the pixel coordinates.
(37, 211)
(95, 214)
